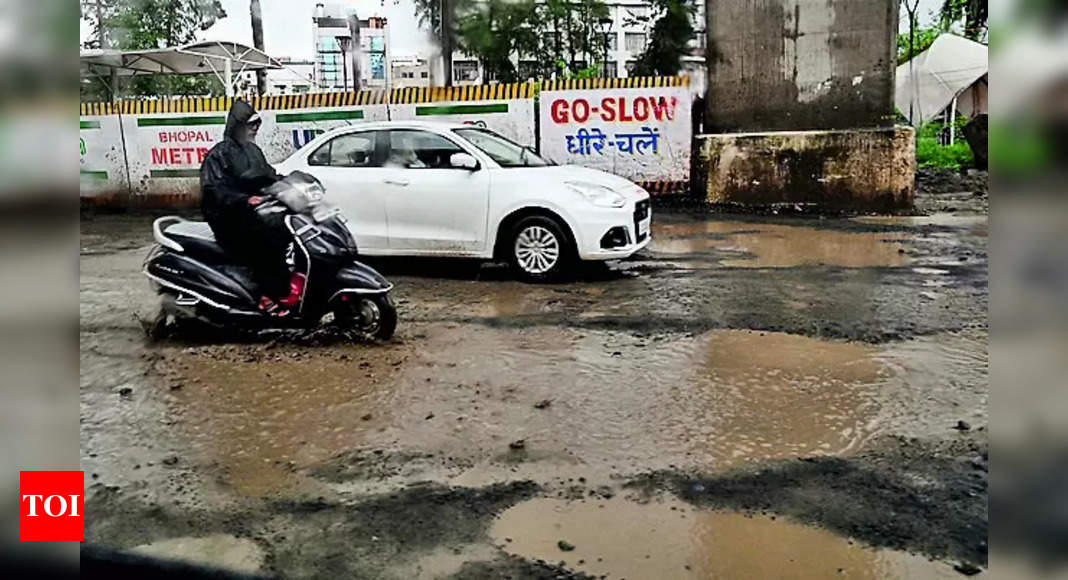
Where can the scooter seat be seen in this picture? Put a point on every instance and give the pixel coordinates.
(197, 240)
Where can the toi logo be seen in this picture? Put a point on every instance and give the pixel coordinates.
(51, 506)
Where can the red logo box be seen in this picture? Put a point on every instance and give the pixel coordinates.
(51, 506)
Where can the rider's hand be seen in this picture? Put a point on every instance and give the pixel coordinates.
(255, 200)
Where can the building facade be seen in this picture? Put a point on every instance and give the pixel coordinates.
(409, 71)
(339, 59)
(295, 78)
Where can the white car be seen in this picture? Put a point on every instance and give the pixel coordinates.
(440, 189)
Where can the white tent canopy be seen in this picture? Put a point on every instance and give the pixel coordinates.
(224, 59)
(935, 78)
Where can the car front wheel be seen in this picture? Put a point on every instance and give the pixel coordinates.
(540, 251)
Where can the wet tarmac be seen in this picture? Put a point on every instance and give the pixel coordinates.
(737, 353)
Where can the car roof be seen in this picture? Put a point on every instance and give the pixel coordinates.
(372, 125)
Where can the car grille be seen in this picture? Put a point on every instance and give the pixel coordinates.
(641, 211)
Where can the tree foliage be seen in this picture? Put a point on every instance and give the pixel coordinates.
(148, 24)
(922, 40)
(668, 40)
(973, 13)
(546, 36)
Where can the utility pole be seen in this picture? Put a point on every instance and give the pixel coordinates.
(257, 41)
(354, 30)
(446, 40)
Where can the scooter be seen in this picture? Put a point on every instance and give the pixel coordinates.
(197, 280)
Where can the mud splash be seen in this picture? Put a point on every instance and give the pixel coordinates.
(759, 245)
(619, 538)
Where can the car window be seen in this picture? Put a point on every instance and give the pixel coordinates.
(505, 152)
(420, 150)
(349, 150)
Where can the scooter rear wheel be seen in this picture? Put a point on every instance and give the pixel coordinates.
(373, 316)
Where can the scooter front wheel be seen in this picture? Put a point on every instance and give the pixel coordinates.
(373, 316)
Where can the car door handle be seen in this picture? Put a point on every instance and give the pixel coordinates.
(400, 182)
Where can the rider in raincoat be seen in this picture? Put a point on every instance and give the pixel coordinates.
(232, 172)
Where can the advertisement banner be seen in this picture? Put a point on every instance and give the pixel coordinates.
(165, 150)
(641, 133)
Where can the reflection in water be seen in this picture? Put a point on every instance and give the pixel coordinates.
(780, 246)
(623, 539)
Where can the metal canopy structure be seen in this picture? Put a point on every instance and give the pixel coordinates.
(223, 59)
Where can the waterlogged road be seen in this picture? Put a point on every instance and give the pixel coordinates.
(747, 398)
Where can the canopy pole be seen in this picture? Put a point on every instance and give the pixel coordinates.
(114, 85)
(952, 118)
(228, 71)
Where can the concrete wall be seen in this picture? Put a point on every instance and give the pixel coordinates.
(642, 133)
(857, 170)
(800, 64)
(148, 152)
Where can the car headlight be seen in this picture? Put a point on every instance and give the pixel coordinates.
(598, 195)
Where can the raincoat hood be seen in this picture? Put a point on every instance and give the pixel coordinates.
(240, 114)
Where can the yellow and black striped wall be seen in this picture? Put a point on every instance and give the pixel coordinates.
(503, 91)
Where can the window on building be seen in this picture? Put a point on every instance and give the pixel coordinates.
(465, 70)
(424, 75)
(613, 41)
(634, 41)
(378, 65)
(378, 43)
(611, 69)
(528, 69)
(300, 90)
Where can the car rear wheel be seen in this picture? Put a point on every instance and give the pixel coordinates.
(539, 250)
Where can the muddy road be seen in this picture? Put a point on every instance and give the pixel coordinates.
(757, 397)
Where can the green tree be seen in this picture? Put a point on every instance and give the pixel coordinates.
(973, 13)
(921, 41)
(669, 38)
(494, 30)
(570, 38)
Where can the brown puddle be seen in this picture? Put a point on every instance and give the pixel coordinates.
(618, 404)
(780, 246)
(785, 395)
(259, 419)
(669, 539)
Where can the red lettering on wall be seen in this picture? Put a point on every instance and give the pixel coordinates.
(661, 108)
(641, 109)
(558, 111)
(584, 106)
(159, 156)
(608, 110)
(623, 116)
(202, 152)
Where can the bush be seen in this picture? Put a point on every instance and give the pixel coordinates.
(929, 153)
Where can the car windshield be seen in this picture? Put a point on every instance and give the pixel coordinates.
(500, 149)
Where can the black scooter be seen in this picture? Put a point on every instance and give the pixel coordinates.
(197, 280)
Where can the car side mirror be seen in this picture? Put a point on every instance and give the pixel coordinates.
(463, 161)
